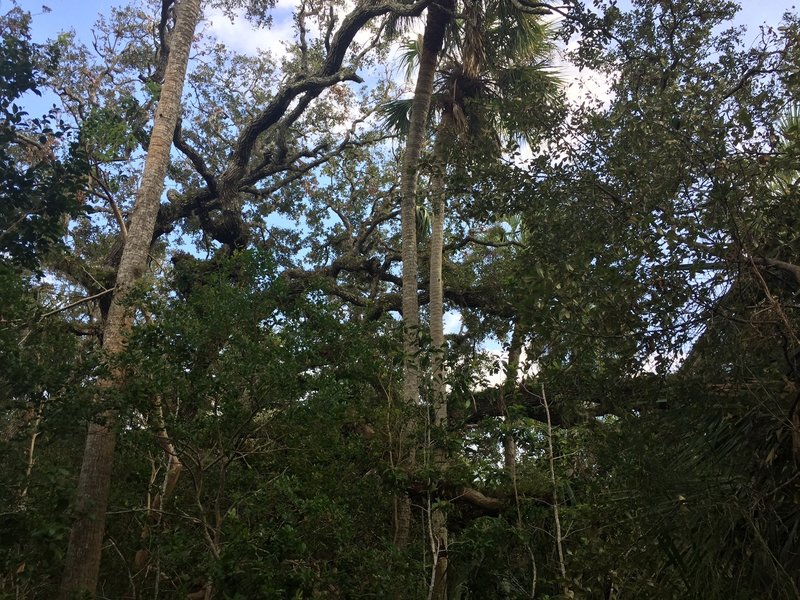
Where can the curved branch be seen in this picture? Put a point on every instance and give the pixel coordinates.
(194, 157)
(788, 267)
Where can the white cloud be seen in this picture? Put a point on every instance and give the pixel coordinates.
(243, 37)
(581, 84)
(585, 84)
(452, 322)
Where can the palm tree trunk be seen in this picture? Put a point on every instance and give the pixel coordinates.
(82, 561)
(445, 138)
(437, 19)
(439, 533)
(436, 307)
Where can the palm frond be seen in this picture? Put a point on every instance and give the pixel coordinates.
(397, 25)
(424, 221)
(473, 48)
(788, 130)
(410, 52)
(396, 115)
(789, 126)
(517, 37)
(537, 81)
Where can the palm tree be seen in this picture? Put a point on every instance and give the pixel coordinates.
(494, 58)
(438, 17)
(82, 561)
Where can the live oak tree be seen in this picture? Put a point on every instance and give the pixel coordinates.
(642, 257)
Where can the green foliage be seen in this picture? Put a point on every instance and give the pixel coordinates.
(265, 392)
(115, 133)
(37, 189)
(44, 370)
(644, 251)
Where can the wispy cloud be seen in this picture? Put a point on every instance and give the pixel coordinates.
(241, 36)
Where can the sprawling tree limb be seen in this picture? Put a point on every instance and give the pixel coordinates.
(461, 494)
(306, 88)
(489, 403)
(223, 190)
(311, 86)
(479, 499)
(162, 53)
(325, 278)
(194, 157)
(791, 268)
(76, 303)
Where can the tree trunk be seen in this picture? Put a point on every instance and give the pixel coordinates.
(507, 396)
(444, 138)
(437, 19)
(82, 561)
(436, 23)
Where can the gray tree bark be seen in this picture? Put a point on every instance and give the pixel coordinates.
(439, 534)
(436, 22)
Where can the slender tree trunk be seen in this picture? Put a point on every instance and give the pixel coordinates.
(439, 533)
(172, 473)
(556, 518)
(507, 396)
(437, 19)
(30, 457)
(445, 136)
(82, 561)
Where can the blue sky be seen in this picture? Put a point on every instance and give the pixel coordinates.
(80, 14)
(755, 12)
(65, 14)
(241, 37)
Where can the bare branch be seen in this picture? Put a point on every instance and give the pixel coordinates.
(195, 158)
(790, 268)
(76, 303)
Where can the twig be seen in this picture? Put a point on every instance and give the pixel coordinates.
(77, 302)
(551, 460)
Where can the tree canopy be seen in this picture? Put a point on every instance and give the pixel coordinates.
(415, 316)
